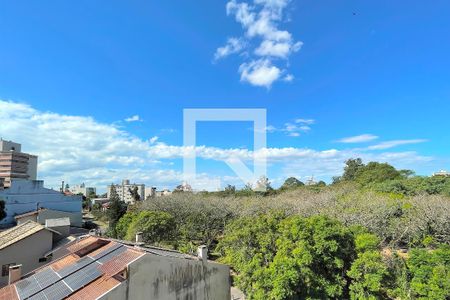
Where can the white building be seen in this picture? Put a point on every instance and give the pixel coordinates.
(14, 164)
(442, 173)
(125, 189)
(82, 189)
(25, 196)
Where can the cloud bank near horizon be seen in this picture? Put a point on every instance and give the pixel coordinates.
(81, 149)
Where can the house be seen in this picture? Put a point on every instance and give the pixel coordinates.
(42, 214)
(99, 268)
(24, 196)
(25, 244)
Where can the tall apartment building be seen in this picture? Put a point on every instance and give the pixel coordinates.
(14, 164)
(124, 191)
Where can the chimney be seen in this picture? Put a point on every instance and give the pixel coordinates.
(202, 253)
(139, 239)
(15, 273)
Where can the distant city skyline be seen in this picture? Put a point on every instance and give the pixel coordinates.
(98, 94)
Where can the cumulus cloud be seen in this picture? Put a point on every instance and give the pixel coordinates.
(153, 139)
(358, 139)
(259, 72)
(233, 45)
(81, 149)
(135, 118)
(268, 44)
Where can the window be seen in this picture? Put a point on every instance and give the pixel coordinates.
(5, 269)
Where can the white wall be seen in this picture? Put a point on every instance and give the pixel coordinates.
(24, 196)
(27, 252)
(166, 278)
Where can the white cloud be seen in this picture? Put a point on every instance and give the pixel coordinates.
(288, 78)
(260, 21)
(396, 143)
(134, 118)
(358, 139)
(153, 139)
(277, 49)
(233, 45)
(80, 149)
(305, 121)
(260, 73)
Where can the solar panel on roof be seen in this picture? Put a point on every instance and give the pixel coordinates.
(57, 291)
(39, 296)
(112, 254)
(82, 277)
(82, 262)
(46, 277)
(106, 251)
(27, 287)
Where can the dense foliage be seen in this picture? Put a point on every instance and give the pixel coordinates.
(375, 233)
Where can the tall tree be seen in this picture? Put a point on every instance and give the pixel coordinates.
(352, 167)
(291, 183)
(134, 193)
(117, 209)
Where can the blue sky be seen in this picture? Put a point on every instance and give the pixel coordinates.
(378, 69)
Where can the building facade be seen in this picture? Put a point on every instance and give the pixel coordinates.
(125, 189)
(14, 164)
(83, 189)
(25, 196)
(25, 244)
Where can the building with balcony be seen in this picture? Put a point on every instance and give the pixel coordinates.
(14, 164)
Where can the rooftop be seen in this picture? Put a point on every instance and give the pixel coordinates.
(91, 267)
(57, 222)
(17, 233)
(30, 213)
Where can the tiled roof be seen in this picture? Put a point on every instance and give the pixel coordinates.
(106, 258)
(97, 263)
(17, 233)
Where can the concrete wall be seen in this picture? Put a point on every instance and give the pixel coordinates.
(26, 252)
(25, 195)
(165, 278)
(26, 219)
(75, 219)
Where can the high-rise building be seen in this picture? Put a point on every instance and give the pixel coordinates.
(14, 164)
(125, 189)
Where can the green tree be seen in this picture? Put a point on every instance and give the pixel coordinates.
(291, 258)
(375, 172)
(2, 210)
(134, 193)
(117, 209)
(368, 272)
(291, 183)
(351, 169)
(156, 227)
(430, 273)
(123, 224)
